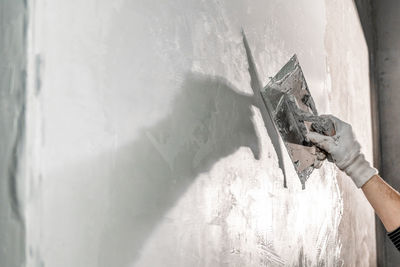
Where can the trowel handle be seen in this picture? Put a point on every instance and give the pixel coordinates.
(320, 124)
(323, 125)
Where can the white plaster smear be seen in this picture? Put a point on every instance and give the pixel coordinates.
(237, 216)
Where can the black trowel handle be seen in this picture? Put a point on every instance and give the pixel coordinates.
(322, 125)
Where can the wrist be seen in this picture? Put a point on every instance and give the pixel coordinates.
(360, 170)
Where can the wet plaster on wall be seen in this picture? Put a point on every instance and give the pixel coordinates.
(152, 151)
(349, 97)
(13, 26)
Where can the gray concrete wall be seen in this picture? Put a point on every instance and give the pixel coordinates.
(388, 67)
(13, 25)
(146, 148)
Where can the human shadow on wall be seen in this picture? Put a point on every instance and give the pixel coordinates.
(210, 120)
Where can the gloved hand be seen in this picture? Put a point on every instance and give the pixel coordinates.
(345, 151)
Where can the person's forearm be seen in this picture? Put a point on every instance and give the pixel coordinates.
(385, 201)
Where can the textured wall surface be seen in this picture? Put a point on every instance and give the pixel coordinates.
(388, 66)
(148, 150)
(12, 129)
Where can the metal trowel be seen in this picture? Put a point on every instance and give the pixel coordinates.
(290, 106)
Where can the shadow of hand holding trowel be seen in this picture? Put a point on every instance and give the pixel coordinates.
(210, 119)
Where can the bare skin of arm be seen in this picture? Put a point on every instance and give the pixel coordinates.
(385, 201)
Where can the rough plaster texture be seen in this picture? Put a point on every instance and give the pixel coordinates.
(388, 67)
(350, 95)
(146, 150)
(13, 22)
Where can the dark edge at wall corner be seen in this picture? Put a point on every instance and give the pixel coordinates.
(366, 13)
(13, 75)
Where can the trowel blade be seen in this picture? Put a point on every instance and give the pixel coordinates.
(290, 103)
(256, 86)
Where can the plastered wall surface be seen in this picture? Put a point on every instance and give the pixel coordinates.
(146, 148)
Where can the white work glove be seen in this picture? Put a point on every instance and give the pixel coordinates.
(345, 151)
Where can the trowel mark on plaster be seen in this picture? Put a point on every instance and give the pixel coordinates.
(269, 256)
(256, 87)
(247, 241)
(328, 240)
